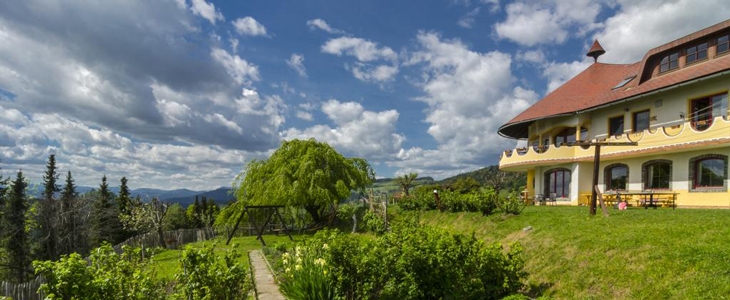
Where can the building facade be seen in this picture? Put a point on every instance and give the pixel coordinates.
(673, 104)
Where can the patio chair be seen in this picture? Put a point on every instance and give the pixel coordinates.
(553, 198)
(539, 199)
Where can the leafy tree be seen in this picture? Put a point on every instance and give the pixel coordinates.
(147, 217)
(16, 242)
(406, 181)
(301, 173)
(465, 184)
(3, 189)
(105, 217)
(47, 217)
(193, 214)
(176, 218)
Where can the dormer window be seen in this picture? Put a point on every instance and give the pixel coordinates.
(722, 44)
(696, 53)
(669, 62)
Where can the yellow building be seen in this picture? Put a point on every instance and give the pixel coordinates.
(673, 103)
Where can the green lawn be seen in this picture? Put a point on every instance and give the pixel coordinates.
(632, 254)
(167, 261)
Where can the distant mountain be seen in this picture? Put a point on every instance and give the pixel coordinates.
(221, 196)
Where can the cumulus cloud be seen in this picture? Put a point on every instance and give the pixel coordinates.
(296, 62)
(533, 56)
(357, 132)
(548, 22)
(631, 32)
(249, 26)
(469, 95)
(380, 73)
(306, 116)
(206, 11)
(361, 49)
(366, 53)
(558, 73)
(322, 25)
(239, 69)
(96, 96)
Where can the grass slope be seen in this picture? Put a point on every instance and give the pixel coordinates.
(633, 254)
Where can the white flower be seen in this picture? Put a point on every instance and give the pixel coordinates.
(298, 267)
(325, 247)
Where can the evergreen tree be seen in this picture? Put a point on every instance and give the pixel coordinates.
(47, 217)
(105, 220)
(69, 233)
(16, 239)
(123, 199)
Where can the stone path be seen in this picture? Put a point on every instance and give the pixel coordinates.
(266, 288)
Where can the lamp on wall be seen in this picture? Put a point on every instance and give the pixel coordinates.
(626, 109)
(681, 115)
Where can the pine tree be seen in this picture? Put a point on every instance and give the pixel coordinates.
(123, 199)
(105, 220)
(16, 241)
(47, 217)
(70, 235)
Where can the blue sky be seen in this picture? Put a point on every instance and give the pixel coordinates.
(182, 94)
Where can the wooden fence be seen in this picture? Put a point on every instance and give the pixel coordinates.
(173, 240)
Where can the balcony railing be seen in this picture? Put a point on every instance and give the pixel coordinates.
(653, 138)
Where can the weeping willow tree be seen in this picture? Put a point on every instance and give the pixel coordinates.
(301, 173)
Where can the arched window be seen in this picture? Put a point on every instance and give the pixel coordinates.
(708, 171)
(567, 135)
(616, 177)
(656, 174)
(557, 181)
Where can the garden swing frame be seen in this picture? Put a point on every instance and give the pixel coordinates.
(271, 209)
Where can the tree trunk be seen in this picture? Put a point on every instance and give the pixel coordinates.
(161, 237)
(313, 211)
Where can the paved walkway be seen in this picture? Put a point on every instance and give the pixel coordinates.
(266, 288)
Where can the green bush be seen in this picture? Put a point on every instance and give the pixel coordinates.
(205, 277)
(373, 222)
(108, 276)
(410, 262)
(511, 204)
(483, 200)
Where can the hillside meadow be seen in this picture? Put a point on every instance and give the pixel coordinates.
(632, 254)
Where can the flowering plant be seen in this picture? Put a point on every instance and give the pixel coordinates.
(307, 274)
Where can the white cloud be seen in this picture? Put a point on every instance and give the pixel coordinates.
(559, 73)
(361, 49)
(469, 95)
(467, 21)
(632, 31)
(296, 62)
(249, 26)
(206, 11)
(357, 132)
(322, 25)
(239, 69)
(381, 73)
(306, 116)
(548, 22)
(533, 56)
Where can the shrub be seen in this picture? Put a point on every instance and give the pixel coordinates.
(410, 262)
(510, 204)
(205, 277)
(108, 276)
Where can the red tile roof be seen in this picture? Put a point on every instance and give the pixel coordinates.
(595, 86)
